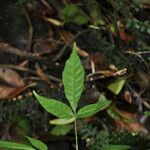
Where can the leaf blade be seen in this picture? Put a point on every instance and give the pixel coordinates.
(117, 147)
(90, 110)
(147, 113)
(73, 79)
(37, 144)
(54, 107)
(116, 86)
(13, 145)
(62, 121)
(61, 130)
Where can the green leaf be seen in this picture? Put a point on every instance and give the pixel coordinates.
(54, 107)
(117, 147)
(70, 11)
(147, 113)
(92, 109)
(62, 121)
(15, 146)
(73, 78)
(73, 13)
(37, 144)
(80, 19)
(23, 124)
(116, 86)
(61, 130)
(112, 28)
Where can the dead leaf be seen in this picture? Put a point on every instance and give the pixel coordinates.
(10, 81)
(131, 126)
(54, 21)
(66, 36)
(106, 74)
(43, 46)
(128, 97)
(123, 34)
(82, 52)
(99, 60)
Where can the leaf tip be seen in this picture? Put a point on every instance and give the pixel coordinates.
(35, 94)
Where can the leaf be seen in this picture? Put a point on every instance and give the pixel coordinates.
(116, 86)
(80, 19)
(73, 78)
(62, 121)
(70, 11)
(117, 147)
(62, 130)
(54, 107)
(92, 109)
(10, 81)
(54, 22)
(147, 113)
(37, 144)
(15, 146)
(23, 123)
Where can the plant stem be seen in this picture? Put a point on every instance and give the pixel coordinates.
(76, 134)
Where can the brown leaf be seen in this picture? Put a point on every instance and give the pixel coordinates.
(128, 97)
(82, 52)
(131, 126)
(66, 36)
(99, 60)
(9, 82)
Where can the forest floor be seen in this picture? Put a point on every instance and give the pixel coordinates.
(112, 38)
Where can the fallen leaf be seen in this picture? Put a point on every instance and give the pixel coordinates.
(105, 74)
(128, 97)
(54, 21)
(99, 60)
(9, 82)
(131, 126)
(123, 34)
(66, 36)
(82, 52)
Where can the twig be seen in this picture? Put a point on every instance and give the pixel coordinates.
(42, 75)
(30, 71)
(46, 4)
(137, 97)
(5, 47)
(143, 52)
(31, 30)
(67, 45)
(138, 54)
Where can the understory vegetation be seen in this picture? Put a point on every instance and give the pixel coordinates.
(88, 63)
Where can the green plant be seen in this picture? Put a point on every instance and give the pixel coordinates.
(73, 13)
(73, 80)
(34, 142)
(100, 139)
